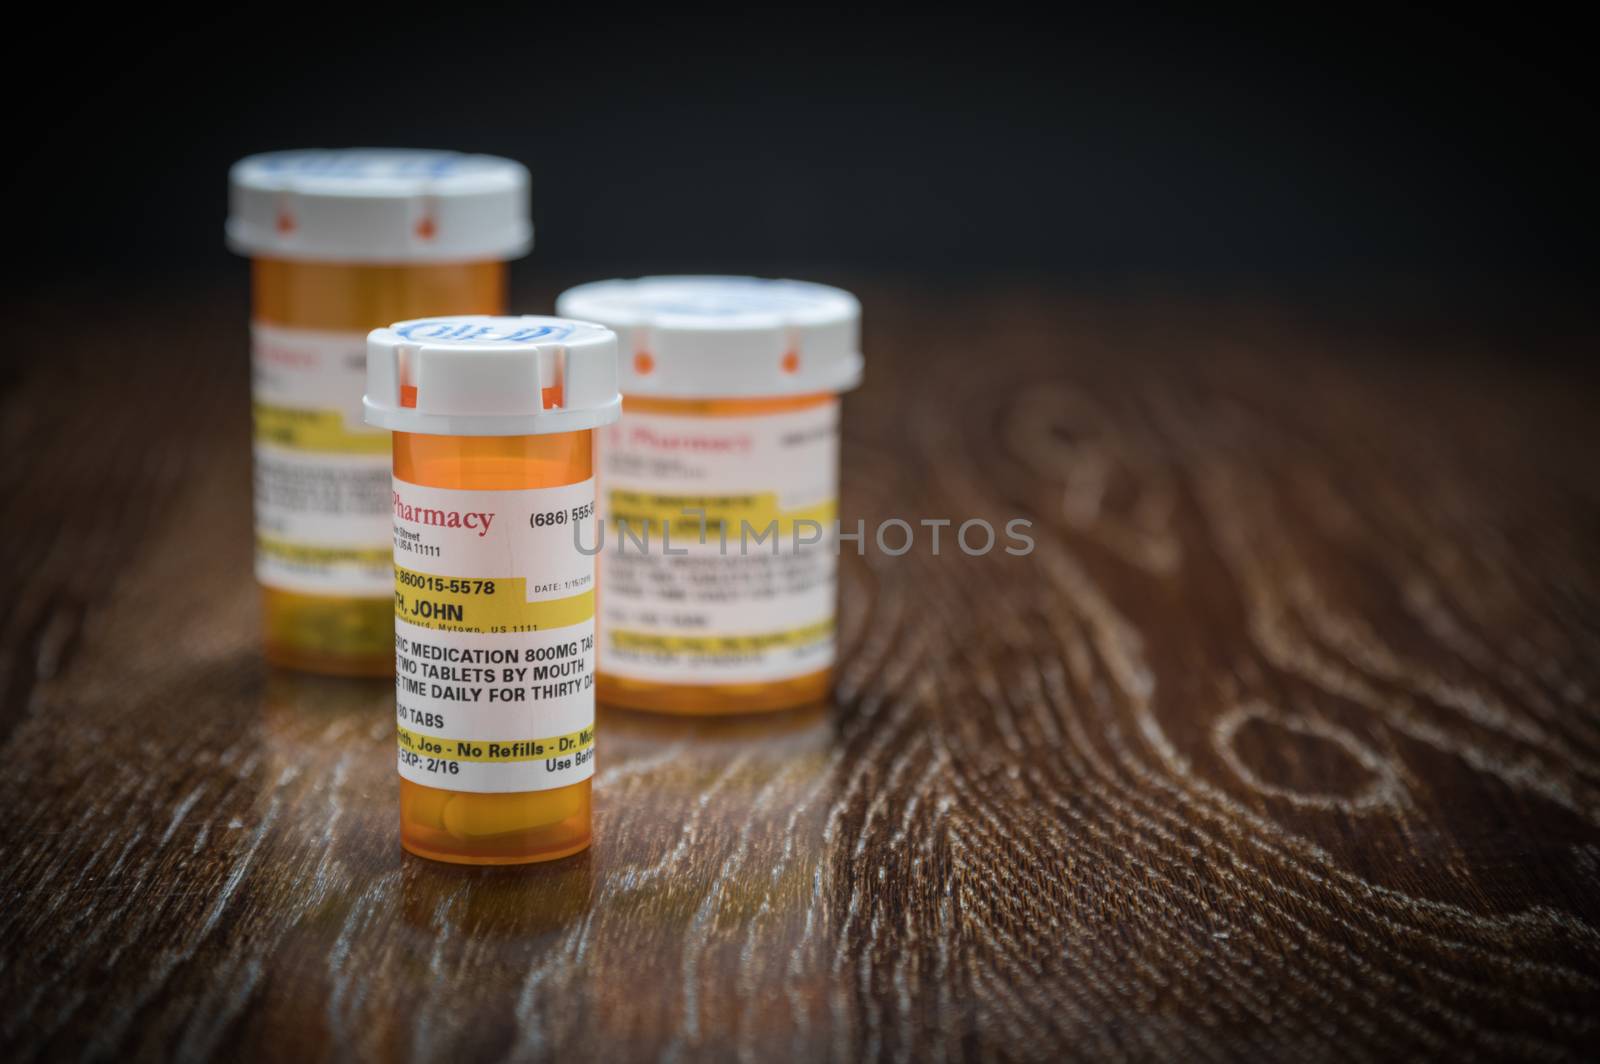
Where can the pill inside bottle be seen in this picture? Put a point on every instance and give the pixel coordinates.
(719, 490)
(342, 242)
(493, 507)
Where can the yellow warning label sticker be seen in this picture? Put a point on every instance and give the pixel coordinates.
(323, 554)
(709, 645)
(494, 750)
(315, 430)
(499, 604)
(723, 513)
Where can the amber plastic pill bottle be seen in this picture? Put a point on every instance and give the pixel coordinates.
(342, 242)
(493, 512)
(719, 490)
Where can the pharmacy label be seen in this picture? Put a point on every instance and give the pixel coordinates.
(321, 474)
(719, 562)
(494, 636)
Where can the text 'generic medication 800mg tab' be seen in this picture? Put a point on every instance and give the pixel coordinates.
(719, 490)
(492, 504)
(342, 242)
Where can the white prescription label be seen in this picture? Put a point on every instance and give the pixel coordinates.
(753, 602)
(494, 637)
(321, 474)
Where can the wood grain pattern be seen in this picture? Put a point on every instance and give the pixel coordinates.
(1283, 744)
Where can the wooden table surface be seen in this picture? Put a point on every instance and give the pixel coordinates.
(1283, 744)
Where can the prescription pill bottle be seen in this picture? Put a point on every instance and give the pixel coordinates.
(342, 242)
(719, 490)
(493, 509)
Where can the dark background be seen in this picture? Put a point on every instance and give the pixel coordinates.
(1325, 150)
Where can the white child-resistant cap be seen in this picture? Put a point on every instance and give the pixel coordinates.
(726, 337)
(378, 206)
(477, 375)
